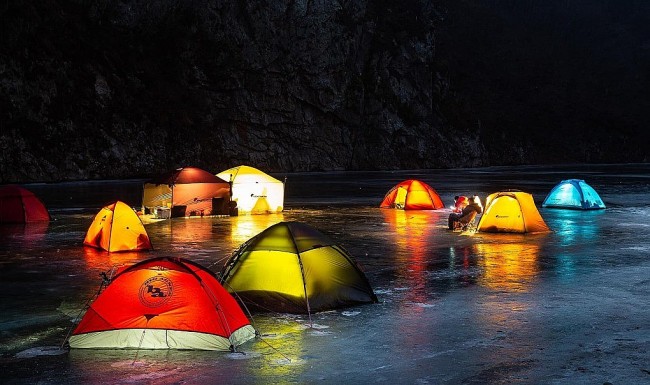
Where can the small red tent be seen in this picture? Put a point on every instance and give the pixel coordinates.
(412, 194)
(19, 205)
(163, 303)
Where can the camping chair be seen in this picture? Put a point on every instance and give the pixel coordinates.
(465, 222)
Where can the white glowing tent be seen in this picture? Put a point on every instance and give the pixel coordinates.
(254, 191)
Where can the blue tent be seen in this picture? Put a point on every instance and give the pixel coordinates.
(573, 194)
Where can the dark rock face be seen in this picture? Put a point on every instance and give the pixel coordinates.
(118, 89)
(108, 89)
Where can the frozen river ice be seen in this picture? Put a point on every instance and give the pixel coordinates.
(567, 307)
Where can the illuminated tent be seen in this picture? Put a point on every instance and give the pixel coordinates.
(412, 194)
(19, 205)
(511, 212)
(117, 228)
(254, 191)
(292, 267)
(187, 191)
(163, 303)
(573, 194)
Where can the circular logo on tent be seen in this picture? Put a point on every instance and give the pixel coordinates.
(156, 291)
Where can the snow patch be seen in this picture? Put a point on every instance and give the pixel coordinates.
(320, 333)
(288, 362)
(350, 313)
(314, 326)
(41, 351)
(423, 305)
(636, 248)
(243, 355)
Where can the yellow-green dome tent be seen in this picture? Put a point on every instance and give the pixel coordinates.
(292, 267)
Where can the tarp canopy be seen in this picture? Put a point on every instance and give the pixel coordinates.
(187, 191)
(186, 175)
(511, 212)
(163, 303)
(412, 194)
(254, 191)
(117, 227)
(292, 267)
(19, 205)
(573, 194)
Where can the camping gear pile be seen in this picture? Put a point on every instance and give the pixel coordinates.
(290, 267)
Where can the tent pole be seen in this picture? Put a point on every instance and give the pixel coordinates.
(302, 275)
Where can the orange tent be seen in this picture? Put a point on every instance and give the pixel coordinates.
(511, 212)
(187, 191)
(412, 194)
(117, 228)
(19, 205)
(163, 303)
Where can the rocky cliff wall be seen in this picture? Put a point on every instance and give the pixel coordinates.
(119, 89)
(113, 89)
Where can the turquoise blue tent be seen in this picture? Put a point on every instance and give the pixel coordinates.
(573, 194)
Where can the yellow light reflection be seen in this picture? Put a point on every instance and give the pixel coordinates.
(510, 265)
(281, 343)
(245, 227)
(103, 261)
(187, 230)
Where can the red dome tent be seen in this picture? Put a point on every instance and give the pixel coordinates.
(19, 205)
(163, 303)
(412, 194)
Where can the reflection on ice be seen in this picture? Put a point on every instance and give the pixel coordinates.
(509, 264)
(572, 226)
(247, 226)
(410, 233)
(25, 234)
(102, 261)
(486, 308)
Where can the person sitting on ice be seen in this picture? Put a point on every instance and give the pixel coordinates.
(466, 216)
